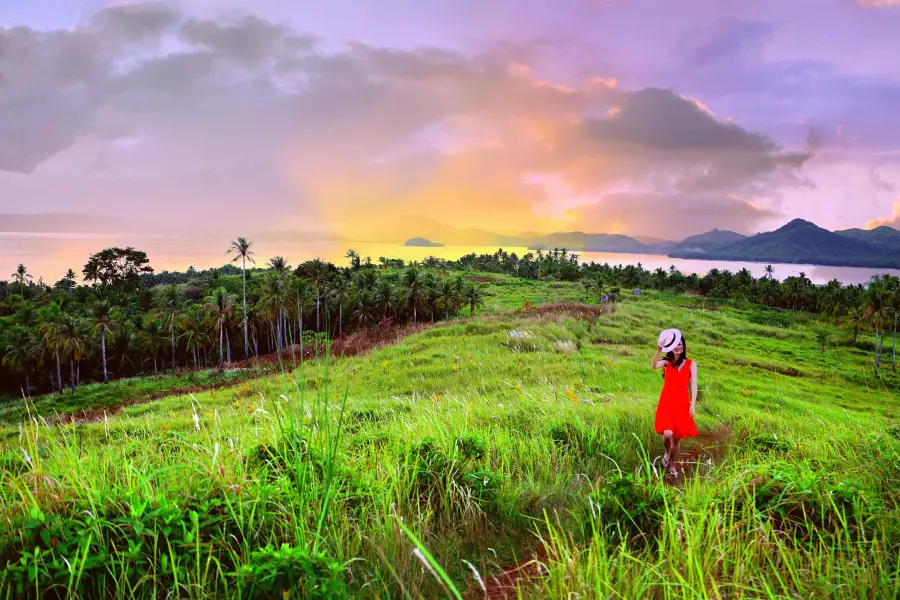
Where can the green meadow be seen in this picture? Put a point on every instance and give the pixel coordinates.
(507, 454)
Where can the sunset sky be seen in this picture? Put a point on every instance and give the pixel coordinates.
(648, 117)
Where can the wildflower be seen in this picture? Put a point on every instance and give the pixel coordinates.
(571, 395)
(165, 428)
(746, 393)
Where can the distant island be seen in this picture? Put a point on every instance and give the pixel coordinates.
(423, 243)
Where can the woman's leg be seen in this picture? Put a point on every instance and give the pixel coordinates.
(667, 444)
(673, 453)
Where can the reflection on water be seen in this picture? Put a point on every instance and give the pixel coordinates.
(50, 255)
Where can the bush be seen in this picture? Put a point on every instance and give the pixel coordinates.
(273, 573)
(437, 475)
(628, 510)
(582, 442)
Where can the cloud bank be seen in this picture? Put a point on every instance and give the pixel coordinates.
(230, 122)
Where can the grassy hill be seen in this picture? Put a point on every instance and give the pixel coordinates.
(435, 467)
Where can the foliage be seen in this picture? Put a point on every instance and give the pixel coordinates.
(121, 268)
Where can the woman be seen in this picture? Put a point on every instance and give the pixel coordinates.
(675, 412)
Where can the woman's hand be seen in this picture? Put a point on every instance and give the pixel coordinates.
(692, 410)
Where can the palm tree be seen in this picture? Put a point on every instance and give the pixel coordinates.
(833, 301)
(367, 308)
(770, 271)
(300, 291)
(414, 290)
(104, 320)
(353, 255)
(474, 297)
(340, 289)
(194, 326)
(589, 286)
(241, 249)
(365, 280)
(272, 294)
(20, 354)
(70, 280)
(893, 300)
(318, 272)
(768, 291)
(151, 338)
(857, 318)
(71, 342)
(219, 306)
(384, 296)
(51, 319)
(170, 306)
(21, 277)
(447, 297)
(279, 265)
(877, 313)
(793, 292)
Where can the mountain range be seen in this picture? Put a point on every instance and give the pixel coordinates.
(806, 243)
(799, 241)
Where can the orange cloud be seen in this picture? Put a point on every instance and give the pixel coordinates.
(892, 221)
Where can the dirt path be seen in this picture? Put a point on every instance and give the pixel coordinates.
(506, 584)
(706, 449)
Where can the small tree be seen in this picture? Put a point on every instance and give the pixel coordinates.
(823, 338)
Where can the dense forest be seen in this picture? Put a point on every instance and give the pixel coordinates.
(124, 320)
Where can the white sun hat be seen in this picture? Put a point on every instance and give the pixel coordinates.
(668, 339)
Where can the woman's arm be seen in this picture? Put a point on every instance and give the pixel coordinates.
(655, 363)
(693, 386)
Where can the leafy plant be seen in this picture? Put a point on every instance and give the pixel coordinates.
(290, 572)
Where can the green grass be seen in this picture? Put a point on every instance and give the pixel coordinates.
(418, 469)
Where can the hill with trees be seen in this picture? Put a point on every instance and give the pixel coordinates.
(800, 242)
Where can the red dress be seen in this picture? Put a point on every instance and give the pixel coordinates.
(674, 410)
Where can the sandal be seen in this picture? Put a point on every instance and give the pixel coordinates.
(673, 473)
(665, 461)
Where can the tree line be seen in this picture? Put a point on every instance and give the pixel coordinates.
(124, 320)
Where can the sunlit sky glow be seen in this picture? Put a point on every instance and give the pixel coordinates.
(644, 117)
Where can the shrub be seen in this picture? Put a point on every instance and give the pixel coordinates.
(629, 510)
(271, 573)
(438, 475)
